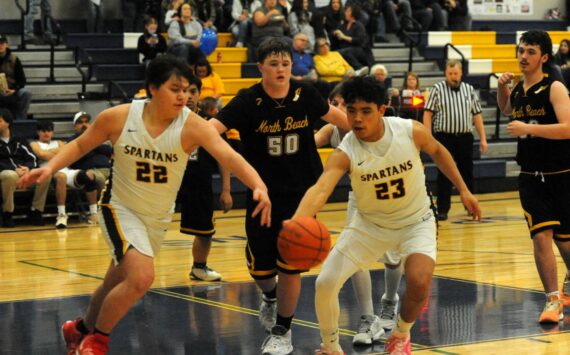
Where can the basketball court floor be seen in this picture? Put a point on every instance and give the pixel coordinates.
(485, 297)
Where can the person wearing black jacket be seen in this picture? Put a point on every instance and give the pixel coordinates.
(352, 41)
(15, 97)
(16, 159)
(151, 43)
(98, 160)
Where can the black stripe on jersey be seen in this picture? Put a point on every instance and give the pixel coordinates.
(106, 193)
(114, 232)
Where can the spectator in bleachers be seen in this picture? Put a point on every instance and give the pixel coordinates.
(185, 35)
(429, 14)
(45, 148)
(212, 84)
(16, 159)
(303, 64)
(333, 18)
(172, 13)
(411, 89)
(133, 15)
(562, 57)
(351, 40)
(300, 21)
(380, 73)
(268, 22)
(95, 20)
(151, 43)
(15, 97)
(242, 11)
(395, 12)
(207, 13)
(331, 63)
(456, 15)
(34, 8)
(98, 160)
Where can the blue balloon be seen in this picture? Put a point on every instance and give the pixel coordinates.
(209, 41)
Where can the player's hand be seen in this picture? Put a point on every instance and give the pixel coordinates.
(506, 79)
(472, 205)
(517, 128)
(226, 201)
(36, 176)
(263, 206)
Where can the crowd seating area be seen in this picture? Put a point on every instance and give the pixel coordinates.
(107, 68)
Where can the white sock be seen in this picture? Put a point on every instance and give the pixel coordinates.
(93, 208)
(403, 327)
(553, 294)
(392, 278)
(60, 209)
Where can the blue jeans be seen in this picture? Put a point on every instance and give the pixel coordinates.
(35, 6)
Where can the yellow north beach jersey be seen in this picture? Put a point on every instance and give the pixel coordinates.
(147, 172)
(389, 190)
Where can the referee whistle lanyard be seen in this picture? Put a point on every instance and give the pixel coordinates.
(541, 175)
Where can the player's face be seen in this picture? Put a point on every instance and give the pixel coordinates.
(530, 57)
(193, 97)
(276, 69)
(364, 118)
(171, 96)
(453, 76)
(338, 102)
(45, 136)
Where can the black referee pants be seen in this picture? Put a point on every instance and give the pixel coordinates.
(461, 148)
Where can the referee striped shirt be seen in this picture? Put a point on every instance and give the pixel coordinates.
(453, 109)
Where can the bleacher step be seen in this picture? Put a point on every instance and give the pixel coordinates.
(43, 57)
(38, 74)
(47, 90)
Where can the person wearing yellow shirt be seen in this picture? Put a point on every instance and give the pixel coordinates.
(212, 85)
(331, 63)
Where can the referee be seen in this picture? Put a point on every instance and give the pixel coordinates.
(450, 112)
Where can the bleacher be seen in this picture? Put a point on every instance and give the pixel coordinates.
(111, 69)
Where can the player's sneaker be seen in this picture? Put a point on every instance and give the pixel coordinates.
(552, 312)
(398, 345)
(92, 218)
(278, 342)
(268, 312)
(94, 344)
(565, 294)
(325, 351)
(369, 330)
(388, 313)
(71, 335)
(61, 221)
(204, 274)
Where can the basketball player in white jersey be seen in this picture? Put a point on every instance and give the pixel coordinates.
(152, 140)
(382, 157)
(46, 148)
(371, 327)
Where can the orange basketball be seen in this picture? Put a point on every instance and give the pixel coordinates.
(304, 242)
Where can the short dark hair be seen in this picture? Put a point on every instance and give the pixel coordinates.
(355, 10)
(150, 20)
(539, 38)
(6, 115)
(336, 91)
(196, 81)
(273, 46)
(366, 89)
(207, 103)
(162, 68)
(203, 62)
(43, 125)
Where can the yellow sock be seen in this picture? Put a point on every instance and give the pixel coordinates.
(402, 328)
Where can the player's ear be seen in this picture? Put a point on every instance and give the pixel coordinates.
(382, 109)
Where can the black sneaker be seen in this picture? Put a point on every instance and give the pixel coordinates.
(442, 216)
(35, 218)
(7, 221)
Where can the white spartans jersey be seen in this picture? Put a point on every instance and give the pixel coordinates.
(46, 146)
(147, 172)
(389, 190)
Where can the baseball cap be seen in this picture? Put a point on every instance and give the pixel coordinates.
(3, 38)
(81, 114)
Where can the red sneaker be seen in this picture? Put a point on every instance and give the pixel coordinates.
(94, 344)
(71, 335)
(398, 346)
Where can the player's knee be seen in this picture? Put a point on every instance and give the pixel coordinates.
(141, 283)
(325, 283)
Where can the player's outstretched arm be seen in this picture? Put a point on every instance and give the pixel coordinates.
(226, 200)
(316, 196)
(504, 93)
(107, 126)
(337, 118)
(198, 131)
(323, 135)
(442, 158)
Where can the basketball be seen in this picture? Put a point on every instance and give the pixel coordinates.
(304, 242)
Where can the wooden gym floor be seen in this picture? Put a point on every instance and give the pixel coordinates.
(485, 299)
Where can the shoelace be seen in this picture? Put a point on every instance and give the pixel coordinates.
(275, 341)
(365, 325)
(388, 310)
(552, 305)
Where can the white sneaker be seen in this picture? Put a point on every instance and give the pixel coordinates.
(388, 313)
(278, 342)
(268, 312)
(61, 221)
(362, 71)
(92, 218)
(205, 274)
(239, 45)
(369, 330)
